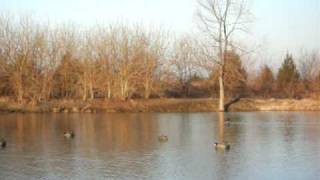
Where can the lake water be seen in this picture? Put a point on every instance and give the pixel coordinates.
(264, 145)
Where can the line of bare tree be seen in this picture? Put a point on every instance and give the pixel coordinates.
(40, 62)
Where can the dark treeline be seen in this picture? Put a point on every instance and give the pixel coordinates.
(296, 78)
(39, 63)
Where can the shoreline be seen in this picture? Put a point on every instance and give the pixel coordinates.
(161, 105)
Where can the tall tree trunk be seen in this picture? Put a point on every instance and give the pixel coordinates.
(84, 95)
(221, 73)
(221, 90)
(19, 87)
(126, 95)
(124, 89)
(91, 90)
(20, 94)
(109, 90)
(147, 89)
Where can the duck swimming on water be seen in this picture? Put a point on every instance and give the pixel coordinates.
(227, 122)
(3, 143)
(163, 138)
(222, 145)
(69, 134)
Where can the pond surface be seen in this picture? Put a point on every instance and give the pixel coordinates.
(279, 145)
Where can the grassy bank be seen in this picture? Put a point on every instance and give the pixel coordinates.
(160, 105)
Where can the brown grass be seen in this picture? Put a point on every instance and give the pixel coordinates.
(160, 105)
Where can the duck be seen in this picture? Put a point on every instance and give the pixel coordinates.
(222, 145)
(163, 138)
(69, 134)
(227, 122)
(3, 143)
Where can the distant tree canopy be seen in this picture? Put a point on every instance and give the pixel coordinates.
(288, 72)
(264, 82)
(66, 77)
(235, 77)
(288, 76)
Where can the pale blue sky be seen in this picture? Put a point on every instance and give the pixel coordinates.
(280, 25)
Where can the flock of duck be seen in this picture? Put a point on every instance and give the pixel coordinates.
(161, 138)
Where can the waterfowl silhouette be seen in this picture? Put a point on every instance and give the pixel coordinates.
(69, 134)
(227, 122)
(222, 145)
(3, 143)
(163, 138)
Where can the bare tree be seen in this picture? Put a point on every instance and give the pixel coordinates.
(309, 65)
(183, 63)
(220, 20)
(88, 68)
(6, 53)
(66, 74)
(153, 54)
(103, 49)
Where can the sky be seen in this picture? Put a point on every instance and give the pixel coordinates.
(279, 26)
